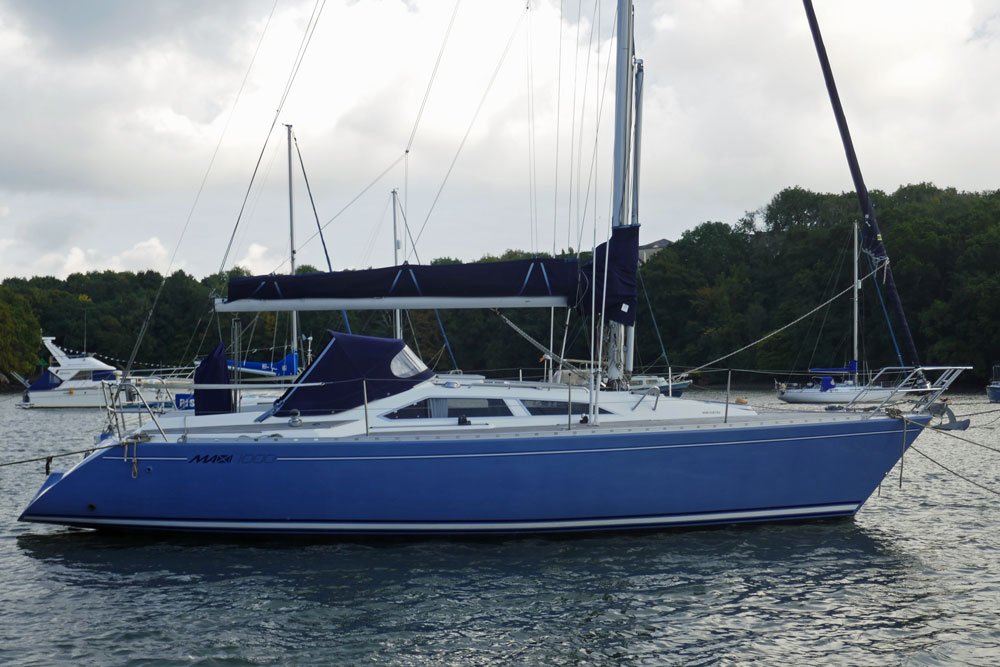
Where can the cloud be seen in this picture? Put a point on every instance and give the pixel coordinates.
(145, 255)
(119, 106)
(149, 254)
(260, 260)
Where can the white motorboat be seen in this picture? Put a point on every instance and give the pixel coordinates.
(71, 381)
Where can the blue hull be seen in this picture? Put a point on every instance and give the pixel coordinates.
(993, 393)
(677, 390)
(491, 485)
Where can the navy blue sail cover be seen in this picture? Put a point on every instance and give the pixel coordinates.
(622, 295)
(537, 277)
(349, 366)
(213, 370)
(520, 277)
(852, 367)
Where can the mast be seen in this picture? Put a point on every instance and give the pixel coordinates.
(291, 237)
(636, 150)
(623, 112)
(623, 124)
(872, 236)
(397, 321)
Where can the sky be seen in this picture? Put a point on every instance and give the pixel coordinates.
(132, 130)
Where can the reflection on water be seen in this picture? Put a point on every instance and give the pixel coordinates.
(914, 578)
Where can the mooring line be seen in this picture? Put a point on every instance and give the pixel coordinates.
(957, 437)
(941, 465)
(48, 458)
(956, 474)
(976, 414)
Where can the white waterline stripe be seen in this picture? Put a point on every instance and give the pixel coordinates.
(484, 526)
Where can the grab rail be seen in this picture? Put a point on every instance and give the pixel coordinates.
(914, 382)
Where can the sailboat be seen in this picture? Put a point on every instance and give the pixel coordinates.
(823, 389)
(369, 441)
(838, 385)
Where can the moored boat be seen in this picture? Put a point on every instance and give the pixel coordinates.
(71, 381)
(993, 388)
(825, 389)
(369, 441)
(667, 387)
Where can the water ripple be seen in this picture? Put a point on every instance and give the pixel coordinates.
(912, 580)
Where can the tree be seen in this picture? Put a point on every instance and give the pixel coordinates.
(19, 333)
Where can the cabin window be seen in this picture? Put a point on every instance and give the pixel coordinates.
(536, 408)
(406, 364)
(445, 408)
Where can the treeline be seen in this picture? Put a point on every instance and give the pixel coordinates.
(717, 288)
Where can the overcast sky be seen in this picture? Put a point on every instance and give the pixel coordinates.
(112, 111)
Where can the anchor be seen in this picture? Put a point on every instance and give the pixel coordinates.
(942, 410)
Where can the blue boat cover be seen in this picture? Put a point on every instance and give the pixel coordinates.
(852, 367)
(349, 366)
(537, 277)
(212, 370)
(45, 381)
(622, 295)
(520, 277)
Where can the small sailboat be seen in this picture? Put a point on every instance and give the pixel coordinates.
(910, 378)
(831, 386)
(666, 386)
(369, 441)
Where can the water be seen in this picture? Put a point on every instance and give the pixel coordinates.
(913, 579)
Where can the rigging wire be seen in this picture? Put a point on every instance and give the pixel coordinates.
(299, 57)
(326, 252)
(829, 286)
(652, 317)
(468, 130)
(572, 133)
(579, 156)
(255, 199)
(779, 330)
(430, 83)
(555, 180)
(201, 188)
(532, 175)
(423, 103)
(404, 157)
(555, 185)
(346, 206)
(593, 156)
(374, 234)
